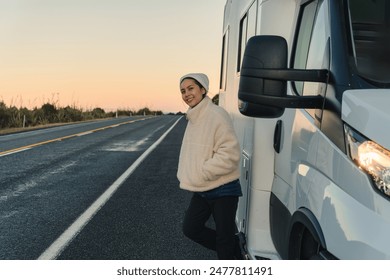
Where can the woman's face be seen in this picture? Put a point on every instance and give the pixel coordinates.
(191, 93)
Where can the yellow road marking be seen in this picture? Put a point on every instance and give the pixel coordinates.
(64, 138)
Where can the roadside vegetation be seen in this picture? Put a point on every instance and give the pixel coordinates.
(13, 118)
(49, 113)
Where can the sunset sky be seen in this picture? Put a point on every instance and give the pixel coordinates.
(113, 54)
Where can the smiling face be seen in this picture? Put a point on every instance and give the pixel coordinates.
(191, 92)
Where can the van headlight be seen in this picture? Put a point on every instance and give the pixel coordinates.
(370, 157)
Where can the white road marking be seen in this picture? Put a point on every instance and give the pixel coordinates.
(84, 133)
(73, 230)
(14, 152)
(20, 149)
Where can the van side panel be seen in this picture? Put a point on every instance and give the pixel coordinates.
(307, 199)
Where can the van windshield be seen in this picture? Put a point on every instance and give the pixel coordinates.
(370, 23)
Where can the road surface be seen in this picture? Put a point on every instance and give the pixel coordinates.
(96, 190)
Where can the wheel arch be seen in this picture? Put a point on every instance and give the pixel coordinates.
(303, 219)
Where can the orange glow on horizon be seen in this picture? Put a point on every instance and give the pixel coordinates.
(110, 54)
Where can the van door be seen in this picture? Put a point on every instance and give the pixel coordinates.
(299, 130)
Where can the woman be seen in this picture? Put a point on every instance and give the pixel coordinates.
(209, 167)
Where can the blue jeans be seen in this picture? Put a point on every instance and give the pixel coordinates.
(229, 189)
(223, 210)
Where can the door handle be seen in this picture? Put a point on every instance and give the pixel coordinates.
(278, 136)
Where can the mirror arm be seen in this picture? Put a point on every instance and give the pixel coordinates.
(319, 76)
(306, 102)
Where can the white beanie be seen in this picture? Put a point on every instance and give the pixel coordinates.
(200, 77)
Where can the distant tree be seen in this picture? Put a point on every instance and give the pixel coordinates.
(26, 113)
(98, 113)
(71, 114)
(49, 112)
(215, 99)
(38, 117)
(15, 117)
(4, 115)
(144, 111)
(124, 113)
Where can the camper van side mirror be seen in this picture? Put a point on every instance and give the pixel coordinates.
(264, 75)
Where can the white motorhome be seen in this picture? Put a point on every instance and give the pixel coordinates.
(307, 84)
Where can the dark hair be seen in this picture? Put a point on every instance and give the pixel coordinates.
(196, 82)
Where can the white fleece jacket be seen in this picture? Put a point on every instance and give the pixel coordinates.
(210, 152)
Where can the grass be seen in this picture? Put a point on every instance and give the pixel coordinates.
(4, 131)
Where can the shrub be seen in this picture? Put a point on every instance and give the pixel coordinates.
(98, 113)
(4, 115)
(49, 112)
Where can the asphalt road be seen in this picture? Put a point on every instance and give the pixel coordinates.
(54, 185)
